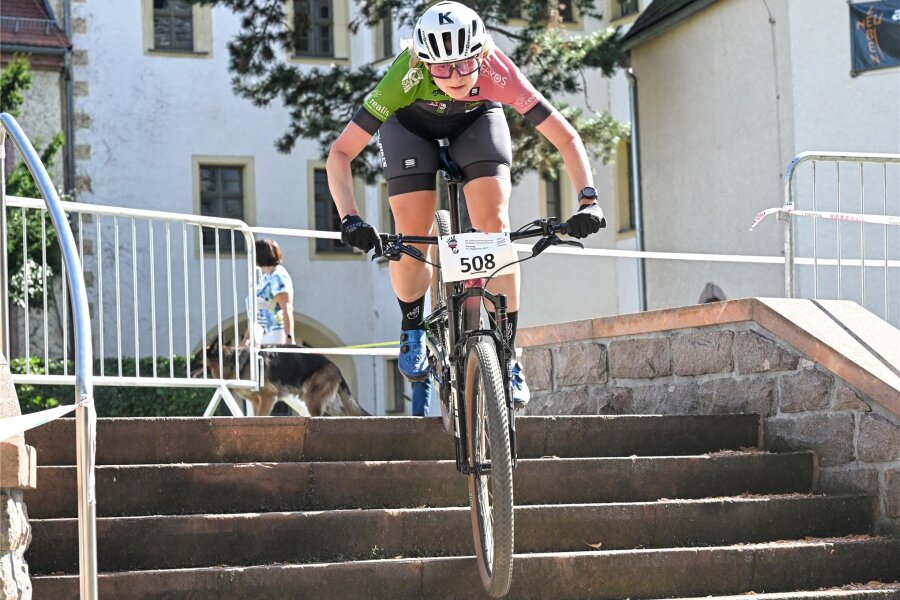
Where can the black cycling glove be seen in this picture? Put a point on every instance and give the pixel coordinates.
(359, 234)
(589, 219)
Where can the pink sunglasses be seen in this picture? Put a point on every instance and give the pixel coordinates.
(462, 67)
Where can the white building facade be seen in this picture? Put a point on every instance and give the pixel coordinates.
(159, 126)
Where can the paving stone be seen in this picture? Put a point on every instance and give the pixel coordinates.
(581, 364)
(702, 353)
(839, 480)
(846, 399)
(640, 359)
(892, 492)
(830, 436)
(538, 365)
(669, 399)
(809, 389)
(755, 354)
(752, 395)
(878, 440)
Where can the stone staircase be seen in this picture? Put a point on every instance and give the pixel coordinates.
(607, 507)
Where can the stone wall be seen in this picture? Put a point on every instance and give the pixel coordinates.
(17, 471)
(734, 368)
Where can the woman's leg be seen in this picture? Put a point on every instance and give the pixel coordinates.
(488, 204)
(413, 215)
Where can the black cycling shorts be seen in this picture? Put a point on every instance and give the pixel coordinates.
(481, 146)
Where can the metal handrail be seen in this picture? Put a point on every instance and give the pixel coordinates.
(237, 227)
(85, 414)
(789, 172)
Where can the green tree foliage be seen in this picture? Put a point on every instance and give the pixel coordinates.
(322, 100)
(26, 282)
(113, 401)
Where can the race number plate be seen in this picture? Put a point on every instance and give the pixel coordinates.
(473, 255)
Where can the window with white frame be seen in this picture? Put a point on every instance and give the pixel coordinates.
(222, 195)
(173, 26)
(313, 28)
(620, 9)
(326, 214)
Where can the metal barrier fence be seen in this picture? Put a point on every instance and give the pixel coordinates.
(852, 237)
(85, 415)
(160, 285)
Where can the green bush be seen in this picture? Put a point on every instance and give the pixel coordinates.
(116, 401)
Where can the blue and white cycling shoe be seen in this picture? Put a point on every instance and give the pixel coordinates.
(520, 392)
(413, 363)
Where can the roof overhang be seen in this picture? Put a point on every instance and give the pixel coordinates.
(660, 27)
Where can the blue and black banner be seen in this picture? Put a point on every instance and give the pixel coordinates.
(874, 35)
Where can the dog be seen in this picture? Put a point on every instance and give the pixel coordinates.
(317, 381)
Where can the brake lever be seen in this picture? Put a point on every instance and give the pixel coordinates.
(560, 242)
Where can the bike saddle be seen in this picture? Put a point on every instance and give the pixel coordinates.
(448, 165)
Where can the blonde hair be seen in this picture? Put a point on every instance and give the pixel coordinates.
(415, 61)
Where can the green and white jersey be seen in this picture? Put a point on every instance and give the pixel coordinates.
(413, 94)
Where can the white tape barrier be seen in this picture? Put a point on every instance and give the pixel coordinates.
(834, 216)
(10, 426)
(348, 351)
(526, 249)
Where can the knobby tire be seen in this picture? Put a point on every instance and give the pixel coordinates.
(490, 495)
(438, 299)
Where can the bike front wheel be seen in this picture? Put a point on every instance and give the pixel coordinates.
(438, 299)
(491, 493)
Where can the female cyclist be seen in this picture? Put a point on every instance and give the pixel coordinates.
(450, 84)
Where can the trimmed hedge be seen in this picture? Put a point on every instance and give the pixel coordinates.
(116, 401)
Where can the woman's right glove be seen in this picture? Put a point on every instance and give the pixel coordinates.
(359, 234)
(589, 219)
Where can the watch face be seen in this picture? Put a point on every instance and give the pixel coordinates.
(588, 192)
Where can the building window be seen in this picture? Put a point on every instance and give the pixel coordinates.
(564, 9)
(327, 218)
(313, 28)
(553, 195)
(384, 39)
(624, 202)
(395, 396)
(624, 8)
(222, 195)
(173, 25)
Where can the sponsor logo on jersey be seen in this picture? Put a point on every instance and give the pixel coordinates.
(526, 100)
(438, 107)
(379, 108)
(470, 106)
(498, 79)
(381, 152)
(411, 79)
(474, 91)
(410, 163)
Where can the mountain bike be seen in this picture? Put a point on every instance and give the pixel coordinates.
(470, 364)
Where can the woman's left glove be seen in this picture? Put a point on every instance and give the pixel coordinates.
(589, 219)
(359, 234)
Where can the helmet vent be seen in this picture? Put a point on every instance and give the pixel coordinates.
(433, 45)
(462, 39)
(448, 43)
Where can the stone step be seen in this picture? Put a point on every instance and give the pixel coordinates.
(872, 590)
(598, 575)
(261, 487)
(302, 537)
(303, 439)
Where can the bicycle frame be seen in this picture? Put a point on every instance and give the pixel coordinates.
(462, 315)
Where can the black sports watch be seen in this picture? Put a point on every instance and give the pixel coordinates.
(587, 193)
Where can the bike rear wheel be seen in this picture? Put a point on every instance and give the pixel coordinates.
(438, 299)
(490, 494)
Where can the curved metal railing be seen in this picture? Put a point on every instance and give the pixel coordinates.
(85, 414)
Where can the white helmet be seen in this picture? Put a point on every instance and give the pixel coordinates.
(447, 32)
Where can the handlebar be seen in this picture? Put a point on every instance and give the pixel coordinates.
(394, 246)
